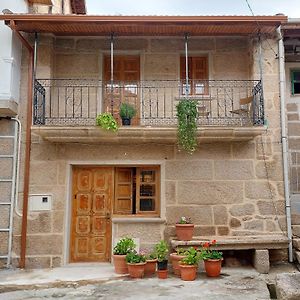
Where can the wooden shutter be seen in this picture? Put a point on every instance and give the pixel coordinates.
(123, 191)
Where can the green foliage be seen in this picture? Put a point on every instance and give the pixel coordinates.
(124, 246)
(152, 256)
(192, 257)
(134, 258)
(207, 253)
(187, 126)
(180, 251)
(127, 111)
(107, 121)
(161, 250)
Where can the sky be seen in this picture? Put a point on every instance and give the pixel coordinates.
(290, 8)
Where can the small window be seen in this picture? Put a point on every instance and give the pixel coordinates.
(295, 80)
(137, 191)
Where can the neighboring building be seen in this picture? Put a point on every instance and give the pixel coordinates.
(291, 33)
(89, 187)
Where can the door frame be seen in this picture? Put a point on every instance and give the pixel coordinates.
(100, 163)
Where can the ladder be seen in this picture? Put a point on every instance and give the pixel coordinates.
(9, 154)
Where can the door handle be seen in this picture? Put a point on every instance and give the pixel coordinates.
(107, 215)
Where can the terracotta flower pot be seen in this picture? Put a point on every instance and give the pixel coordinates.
(150, 267)
(213, 267)
(120, 264)
(184, 232)
(188, 272)
(162, 274)
(136, 270)
(175, 258)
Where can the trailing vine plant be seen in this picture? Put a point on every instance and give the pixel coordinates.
(187, 126)
(107, 122)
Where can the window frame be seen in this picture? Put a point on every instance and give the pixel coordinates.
(293, 81)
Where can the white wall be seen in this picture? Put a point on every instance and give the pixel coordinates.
(10, 54)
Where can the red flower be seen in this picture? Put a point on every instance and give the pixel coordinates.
(213, 242)
(206, 245)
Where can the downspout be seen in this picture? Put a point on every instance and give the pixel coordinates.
(27, 141)
(284, 141)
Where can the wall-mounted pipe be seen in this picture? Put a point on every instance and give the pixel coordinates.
(32, 55)
(284, 142)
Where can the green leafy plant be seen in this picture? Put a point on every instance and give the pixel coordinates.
(192, 257)
(184, 220)
(181, 251)
(187, 125)
(107, 121)
(134, 258)
(151, 256)
(161, 250)
(207, 253)
(124, 246)
(127, 111)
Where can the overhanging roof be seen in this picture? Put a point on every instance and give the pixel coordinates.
(143, 25)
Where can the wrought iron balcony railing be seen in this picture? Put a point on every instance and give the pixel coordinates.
(77, 102)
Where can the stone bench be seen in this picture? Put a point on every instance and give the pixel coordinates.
(261, 245)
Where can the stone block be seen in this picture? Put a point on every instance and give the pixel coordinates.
(274, 169)
(292, 107)
(39, 223)
(257, 225)
(43, 173)
(231, 44)
(242, 210)
(235, 223)
(296, 230)
(64, 43)
(170, 187)
(271, 226)
(293, 117)
(131, 44)
(266, 207)
(245, 150)
(90, 45)
(166, 45)
(42, 244)
(56, 262)
(62, 172)
(209, 192)
(145, 232)
(220, 215)
(288, 286)
(294, 143)
(6, 146)
(296, 243)
(58, 220)
(200, 215)
(222, 230)
(38, 262)
(208, 151)
(261, 261)
(189, 170)
(5, 191)
(294, 129)
(295, 219)
(43, 152)
(205, 231)
(6, 127)
(234, 170)
(263, 148)
(259, 190)
(6, 167)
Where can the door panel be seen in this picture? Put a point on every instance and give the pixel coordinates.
(125, 87)
(91, 214)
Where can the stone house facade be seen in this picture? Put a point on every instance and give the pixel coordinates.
(89, 187)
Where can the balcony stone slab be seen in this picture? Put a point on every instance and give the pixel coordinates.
(140, 135)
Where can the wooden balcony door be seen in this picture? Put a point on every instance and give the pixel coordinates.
(93, 189)
(125, 87)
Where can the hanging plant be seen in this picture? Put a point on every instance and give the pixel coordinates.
(107, 122)
(187, 126)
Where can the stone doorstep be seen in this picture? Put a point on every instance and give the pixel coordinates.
(297, 256)
(296, 243)
(238, 243)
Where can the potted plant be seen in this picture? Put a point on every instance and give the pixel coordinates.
(176, 257)
(161, 250)
(184, 229)
(212, 259)
(127, 112)
(189, 264)
(151, 261)
(136, 264)
(187, 125)
(122, 248)
(107, 122)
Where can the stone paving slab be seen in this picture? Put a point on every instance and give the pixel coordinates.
(234, 283)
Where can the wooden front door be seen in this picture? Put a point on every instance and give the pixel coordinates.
(125, 84)
(93, 189)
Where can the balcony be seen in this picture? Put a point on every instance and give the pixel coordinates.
(65, 109)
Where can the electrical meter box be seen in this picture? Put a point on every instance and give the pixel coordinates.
(40, 202)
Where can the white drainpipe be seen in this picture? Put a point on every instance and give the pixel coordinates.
(284, 142)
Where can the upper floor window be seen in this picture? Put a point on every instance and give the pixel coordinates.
(295, 80)
(197, 74)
